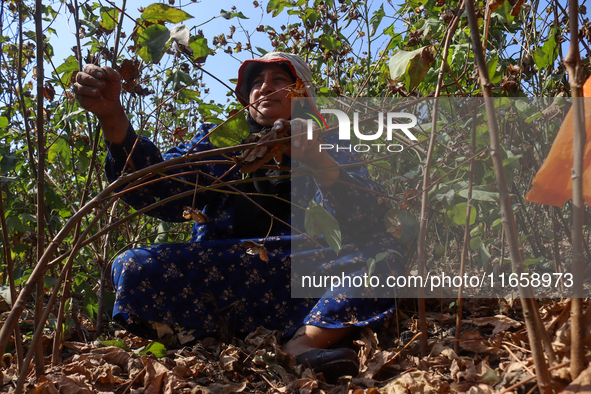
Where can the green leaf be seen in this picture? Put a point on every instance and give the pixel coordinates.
(262, 51)
(3, 122)
(66, 69)
(528, 262)
(152, 43)
(319, 221)
(524, 108)
(114, 342)
(162, 237)
(458, 214)
(411, 67)
(381, 256)
(200, 49)
(309, 15)
(186, 96)
(483, 255)
(59, 148)
(92, 26)
(8, 162)
(229, 14)
(371, 266)
(330, 43)
(49, 281)
(231, 133)
(68, 117)
(156, 348)
(376, 19)
(276, 6)
(491, 65)
(446, 197)
(14, 222)
(90, 305)
(503, 13)
(547, 54)
(481, 195)
(164, 13)
(109, 18)
(475, 243)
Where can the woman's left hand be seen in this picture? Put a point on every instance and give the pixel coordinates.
(307, 150)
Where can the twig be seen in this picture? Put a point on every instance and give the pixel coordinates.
(426, 186)
(133, 380)
(511, 388)
(519, 361)
(466, 238)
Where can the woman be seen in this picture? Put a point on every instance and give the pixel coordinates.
(211, 284)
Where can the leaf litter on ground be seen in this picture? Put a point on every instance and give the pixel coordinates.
(494, 356)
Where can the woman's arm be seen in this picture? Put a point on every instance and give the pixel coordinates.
(98, 90)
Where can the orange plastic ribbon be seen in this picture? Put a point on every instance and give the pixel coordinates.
(553, 184)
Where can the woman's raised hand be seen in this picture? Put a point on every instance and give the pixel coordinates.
(98, 90)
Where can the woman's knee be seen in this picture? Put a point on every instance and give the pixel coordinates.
(128, 262)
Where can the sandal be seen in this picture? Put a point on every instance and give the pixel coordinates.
(333, 363)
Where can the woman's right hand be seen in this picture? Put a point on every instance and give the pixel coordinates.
(98, 90)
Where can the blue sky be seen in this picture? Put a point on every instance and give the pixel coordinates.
(222, 65)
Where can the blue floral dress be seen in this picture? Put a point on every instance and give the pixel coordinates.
(211, 284)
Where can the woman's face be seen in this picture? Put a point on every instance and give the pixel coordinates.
(269, 85)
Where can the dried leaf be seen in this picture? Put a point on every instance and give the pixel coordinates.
(306, 385)
(44, 387)
(413, 382)
(379, 361)
(253, 248)
(500, 322)
(474, 342)
(230, 359)
(513, 70)
(73, 384)
(113, 355)
(494, 4)
(516, 7)
(48, 91)
(227, 388)
(128, 70)
(369, 345)
(180, 132)
(298, 91)
(252, 159)
(394, 227)
(196, 215)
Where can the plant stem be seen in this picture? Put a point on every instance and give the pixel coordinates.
(39, 360)
(575, 72)
(543, 376)
(466, 234)
(10, 268)
(426, 187)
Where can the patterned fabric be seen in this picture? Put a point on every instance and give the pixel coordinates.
(212, 284)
